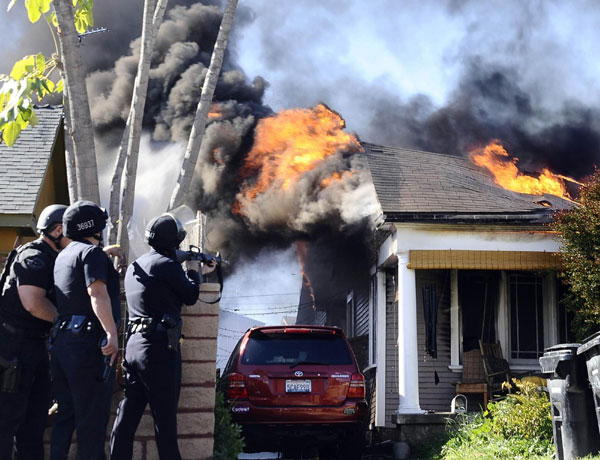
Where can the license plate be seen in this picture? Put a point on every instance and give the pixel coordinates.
(298, 386)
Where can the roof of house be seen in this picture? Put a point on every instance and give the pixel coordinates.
(417, 185)
(23, 166)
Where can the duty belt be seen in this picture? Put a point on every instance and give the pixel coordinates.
(167, 324)
(145, 325)
(77, 324)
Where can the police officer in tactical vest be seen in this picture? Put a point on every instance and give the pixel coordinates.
(26, 315)
(156, 286)
(84, 340)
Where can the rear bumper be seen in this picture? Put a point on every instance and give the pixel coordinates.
(247, 414)
(279, 428)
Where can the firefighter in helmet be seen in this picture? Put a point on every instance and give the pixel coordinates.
(157, 287)
(84, 339)
(27, 310)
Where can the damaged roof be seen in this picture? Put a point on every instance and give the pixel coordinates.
(23, 166)
(415, 185)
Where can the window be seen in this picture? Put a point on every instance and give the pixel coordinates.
(478, 293)
(526, 310)
(277, 348)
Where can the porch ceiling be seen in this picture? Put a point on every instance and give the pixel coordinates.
(482, 260)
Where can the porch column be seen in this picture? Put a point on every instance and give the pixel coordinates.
(408, 368)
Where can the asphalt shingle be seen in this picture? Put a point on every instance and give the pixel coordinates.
(23, 166)
(416, 182)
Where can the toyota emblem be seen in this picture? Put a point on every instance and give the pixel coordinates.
(298, 373)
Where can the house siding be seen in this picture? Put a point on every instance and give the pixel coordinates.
(391, 352)
(431, 396)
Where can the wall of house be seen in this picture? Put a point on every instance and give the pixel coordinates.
(432, 396)
(7, 240)
(391, 349)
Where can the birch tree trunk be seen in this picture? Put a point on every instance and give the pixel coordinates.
(123, 153)
(115, 184)
(79, 124)
(152, 11)
(208, 90)
(70, 158)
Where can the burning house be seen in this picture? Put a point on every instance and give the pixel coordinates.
(476, 256)
(457, 257)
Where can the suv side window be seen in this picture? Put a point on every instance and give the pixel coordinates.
(233, 357)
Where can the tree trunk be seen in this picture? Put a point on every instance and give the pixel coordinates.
(123, 153)
(79, 125)
(153, 11)
(210, 83)
(115, 185)
(70, 158)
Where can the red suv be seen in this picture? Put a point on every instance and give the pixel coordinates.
(294, 388)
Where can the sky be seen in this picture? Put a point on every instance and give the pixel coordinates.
(435, 75)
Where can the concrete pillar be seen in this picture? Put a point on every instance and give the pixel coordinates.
(408, 369)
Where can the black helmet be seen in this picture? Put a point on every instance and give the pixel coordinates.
(49, 217)
(164, 232)
(84, 218)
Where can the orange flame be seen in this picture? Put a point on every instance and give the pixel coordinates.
(291, 143)
(507, 175)
(301, 253)
(215, 111)
(336, 177)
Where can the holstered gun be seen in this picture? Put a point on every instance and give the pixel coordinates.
(173, 329)
(11, 375)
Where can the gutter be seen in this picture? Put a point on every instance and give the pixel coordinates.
(537, 218)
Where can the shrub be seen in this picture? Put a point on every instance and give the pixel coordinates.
(228, 435)
(524, 415)
(518, 427)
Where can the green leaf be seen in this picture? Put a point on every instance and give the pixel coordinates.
(47, 85)
(33, 10)
(59, 86)
(18, 69)
(40, 62)
(11, 4)
(34, 119)
(45, 5)
(11, 133)
(26, 114)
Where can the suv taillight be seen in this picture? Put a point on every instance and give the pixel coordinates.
(357, 386)
(236, 387)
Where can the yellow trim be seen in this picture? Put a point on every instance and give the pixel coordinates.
(482, 260)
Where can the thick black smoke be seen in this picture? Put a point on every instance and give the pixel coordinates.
(179, 62)
(491, 103)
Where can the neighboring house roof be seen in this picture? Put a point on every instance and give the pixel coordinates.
(416, 185)
(23, 166)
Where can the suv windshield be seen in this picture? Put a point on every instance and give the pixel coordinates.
(281, 348)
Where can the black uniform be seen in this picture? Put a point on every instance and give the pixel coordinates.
(155, 285)
(77, 362)
(24, 409)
